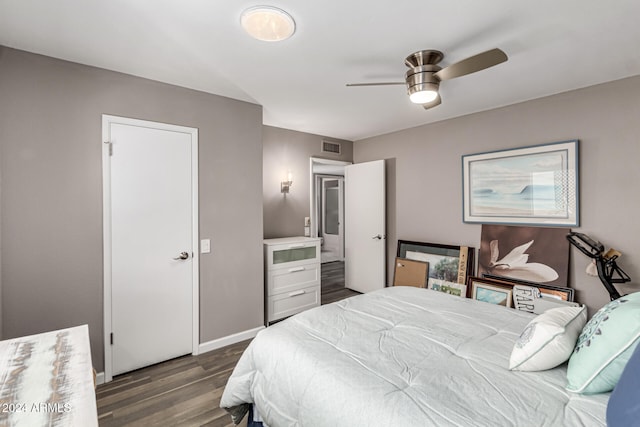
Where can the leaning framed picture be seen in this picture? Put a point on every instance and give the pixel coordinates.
(560, 292)
(446, 262)
(487, 291)
(536, 185)
(450, 288)
(534, 254)
(410, 273)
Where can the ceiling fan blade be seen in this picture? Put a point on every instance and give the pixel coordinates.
(375, 84)
(433, 103)
(473, 64)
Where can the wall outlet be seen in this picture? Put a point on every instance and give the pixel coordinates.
(307, 221)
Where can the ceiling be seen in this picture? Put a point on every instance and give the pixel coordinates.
(553, 46)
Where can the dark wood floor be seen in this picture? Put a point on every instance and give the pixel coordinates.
(181, 392)
(186, 391)
(333, 283)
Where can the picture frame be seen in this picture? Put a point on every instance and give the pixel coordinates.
(531, 300)
(487, 290)
(524, 298)
(450, 288)
(533, 254)
(560, 292)
(446, 262)
(534, 185)
(408, 272)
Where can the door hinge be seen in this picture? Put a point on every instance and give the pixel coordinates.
(111, 338)
(110, 147)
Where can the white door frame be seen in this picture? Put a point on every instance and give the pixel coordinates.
(107, 120)
(313, 208)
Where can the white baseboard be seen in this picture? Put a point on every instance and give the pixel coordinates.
(228, 340)
(100, 378)
(210, 345)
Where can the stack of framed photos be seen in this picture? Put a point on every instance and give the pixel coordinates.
(507, 260)
(500, 290)
(448, 266)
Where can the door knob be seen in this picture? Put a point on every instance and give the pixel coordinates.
(377, 236)
(183, 255)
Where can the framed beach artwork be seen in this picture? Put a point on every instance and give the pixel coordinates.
(535, 185)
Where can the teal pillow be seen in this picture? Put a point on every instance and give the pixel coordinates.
(604, 346)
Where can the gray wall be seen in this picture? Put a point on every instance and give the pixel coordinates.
(1, 139)
(51, 195)
(426, 190)
(287, 150)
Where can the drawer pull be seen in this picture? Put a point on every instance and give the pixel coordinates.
(295, 269)
(296, 246)
(296, 293)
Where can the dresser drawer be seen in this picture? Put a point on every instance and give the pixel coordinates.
(292, 254)
(290, 303)
(292, 278)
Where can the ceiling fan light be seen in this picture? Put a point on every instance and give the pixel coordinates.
(267, 23)
(423, 96)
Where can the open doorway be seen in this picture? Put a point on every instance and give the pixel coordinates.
(327, 206)
(331, 217)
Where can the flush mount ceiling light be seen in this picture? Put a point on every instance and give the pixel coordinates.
(268, 23)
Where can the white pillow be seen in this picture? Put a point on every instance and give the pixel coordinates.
(548, 340)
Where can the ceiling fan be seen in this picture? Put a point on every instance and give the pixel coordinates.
(424, 75)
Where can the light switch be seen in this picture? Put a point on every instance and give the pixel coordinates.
(205, 246)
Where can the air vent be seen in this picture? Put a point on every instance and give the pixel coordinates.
(330, 147)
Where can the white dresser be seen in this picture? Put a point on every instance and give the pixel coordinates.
(292, 276)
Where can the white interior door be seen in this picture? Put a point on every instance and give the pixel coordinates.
(364, 230)
(149, 252)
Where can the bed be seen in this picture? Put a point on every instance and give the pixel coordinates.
(401, 356)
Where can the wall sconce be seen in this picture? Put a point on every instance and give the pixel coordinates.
(284, 185)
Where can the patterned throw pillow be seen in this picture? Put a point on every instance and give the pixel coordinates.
(604, 346)
(548, 340)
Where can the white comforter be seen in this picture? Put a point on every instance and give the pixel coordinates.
(402, 356)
